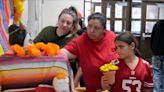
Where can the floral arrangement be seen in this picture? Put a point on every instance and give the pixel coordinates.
(108, 67)
(18, 9)
(38, 49)
(109, 70)
(18, 50)
(61, 82)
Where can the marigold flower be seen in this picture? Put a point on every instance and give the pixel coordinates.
(33, 51)
(37, 49)
(108, 67)
(41, 46)
(18, 9)
(60, 75)
(18, 50)
(55, 47)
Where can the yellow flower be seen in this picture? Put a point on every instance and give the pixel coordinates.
(108, 67)
(1, 50)
(18, 9)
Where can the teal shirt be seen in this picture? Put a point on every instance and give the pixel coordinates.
(48, 34)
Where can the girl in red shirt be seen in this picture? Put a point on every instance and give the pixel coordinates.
(134, 73)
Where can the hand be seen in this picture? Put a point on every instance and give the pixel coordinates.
(109, 77)
(104, 83)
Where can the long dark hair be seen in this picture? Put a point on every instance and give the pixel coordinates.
(128, 38)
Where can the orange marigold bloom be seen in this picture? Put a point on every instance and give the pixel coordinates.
(37, 49)
(33, 51)
(60, 75)
(49, 51)
(55, 47)
(41, 46)
(18, 50)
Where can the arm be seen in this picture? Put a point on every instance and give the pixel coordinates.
(78, 76)
(39, 37)
(69, 54)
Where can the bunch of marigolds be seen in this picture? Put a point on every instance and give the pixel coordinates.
(38, 49)
(108, 67)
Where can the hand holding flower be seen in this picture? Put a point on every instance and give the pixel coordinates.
(108, 77)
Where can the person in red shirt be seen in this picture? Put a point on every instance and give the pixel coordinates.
(93, 48)
(134, 73)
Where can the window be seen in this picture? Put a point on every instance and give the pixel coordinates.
(152, 12)
(118, 23)
(136, 26)
(118, 11)
(108, 15)
(161, 14)
(108, 25)
(128, 15)
(118, 26)
(98, 8)
(136, 18)
(136, 12)
(87, 10)
(152, 15)
(90, 7)
(149, 27)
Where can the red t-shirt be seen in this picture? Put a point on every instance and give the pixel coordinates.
(136, 80)
(92, 55)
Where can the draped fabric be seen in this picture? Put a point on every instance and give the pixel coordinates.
(6, 14)
(32, 74)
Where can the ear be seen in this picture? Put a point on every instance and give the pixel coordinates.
(132, 45)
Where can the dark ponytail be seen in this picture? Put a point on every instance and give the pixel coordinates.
(137, 52)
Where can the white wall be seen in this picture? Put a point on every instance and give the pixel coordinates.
(52, 8)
